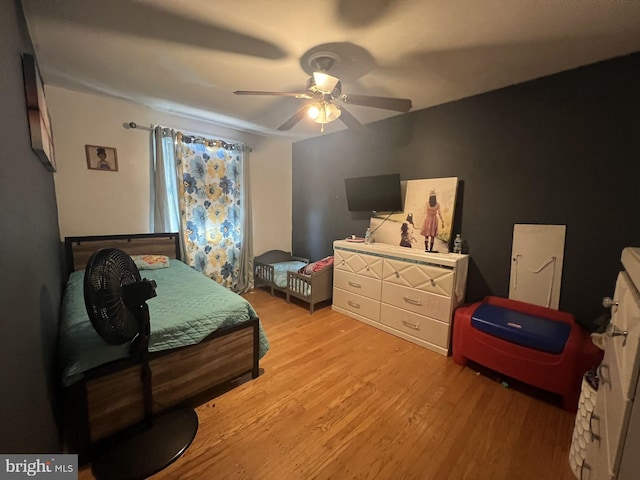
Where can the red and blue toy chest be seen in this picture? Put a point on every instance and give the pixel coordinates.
(540, 346)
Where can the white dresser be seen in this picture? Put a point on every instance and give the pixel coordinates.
(614, 450)
(403, 291)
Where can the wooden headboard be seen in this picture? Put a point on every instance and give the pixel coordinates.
(79, 249)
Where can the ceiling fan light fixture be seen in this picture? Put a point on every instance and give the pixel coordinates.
(324, 82)
(313, 111)
(331, 112)
(327, 112)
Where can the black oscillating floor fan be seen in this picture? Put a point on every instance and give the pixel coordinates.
(115, 297)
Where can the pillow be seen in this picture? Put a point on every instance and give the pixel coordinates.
(151, 262)
(316, 266)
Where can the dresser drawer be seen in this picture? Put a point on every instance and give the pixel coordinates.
(360, 263)
(625, 317)
(354, 283)
(630, 465)
(595, 465)
(429, 278)
(598, 457)
(352, 302)
(617, 409)
(419, 326)
(417, 301)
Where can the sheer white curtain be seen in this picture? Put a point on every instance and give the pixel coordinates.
(165, 210)
(245, 281)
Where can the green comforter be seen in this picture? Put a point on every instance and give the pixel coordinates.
(188, 307)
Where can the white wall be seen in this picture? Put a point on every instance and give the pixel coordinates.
(92, 202)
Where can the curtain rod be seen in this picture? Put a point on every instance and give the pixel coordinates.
(194, 138)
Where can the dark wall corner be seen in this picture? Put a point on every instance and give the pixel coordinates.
(30, 273)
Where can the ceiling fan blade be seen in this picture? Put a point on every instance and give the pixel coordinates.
(277, 94)
(294, 119)
(350, 121)
(387, 103)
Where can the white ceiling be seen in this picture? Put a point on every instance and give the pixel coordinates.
(188, 56)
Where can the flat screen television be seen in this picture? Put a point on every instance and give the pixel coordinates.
(381, 193)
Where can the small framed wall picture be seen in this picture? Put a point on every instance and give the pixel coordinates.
(101, 158)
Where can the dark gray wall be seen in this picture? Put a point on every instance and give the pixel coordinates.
(562, 149)
(30, 265)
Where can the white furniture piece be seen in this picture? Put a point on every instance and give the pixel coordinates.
(614, 450)
(403, 291)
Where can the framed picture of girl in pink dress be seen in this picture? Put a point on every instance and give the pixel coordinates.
(431, 204)
(427, 219)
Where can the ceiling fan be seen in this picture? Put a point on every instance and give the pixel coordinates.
(324, 89)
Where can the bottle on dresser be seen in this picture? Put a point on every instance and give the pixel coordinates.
(367, 236)
(457, 244)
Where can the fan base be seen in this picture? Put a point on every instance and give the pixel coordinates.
(150, 450)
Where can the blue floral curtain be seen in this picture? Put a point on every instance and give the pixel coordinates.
(211, 209)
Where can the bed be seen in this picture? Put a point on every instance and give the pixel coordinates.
(281, 271)
(270, 269)
(218, 339)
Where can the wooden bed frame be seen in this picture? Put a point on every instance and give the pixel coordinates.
(108, 400)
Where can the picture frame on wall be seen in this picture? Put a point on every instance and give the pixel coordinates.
(101, 158)
(426, 223)
(38, 114)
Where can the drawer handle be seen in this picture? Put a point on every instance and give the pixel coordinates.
(415, 326)
(353, 284)
(433, 282)
(608, 302)
(594, 436)
(584, 466)
(600, 372)
(397, 274)
(613, 331)
(368, 268)
(354, 304)
(412, 301)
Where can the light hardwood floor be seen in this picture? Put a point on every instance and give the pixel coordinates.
(339, 399)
